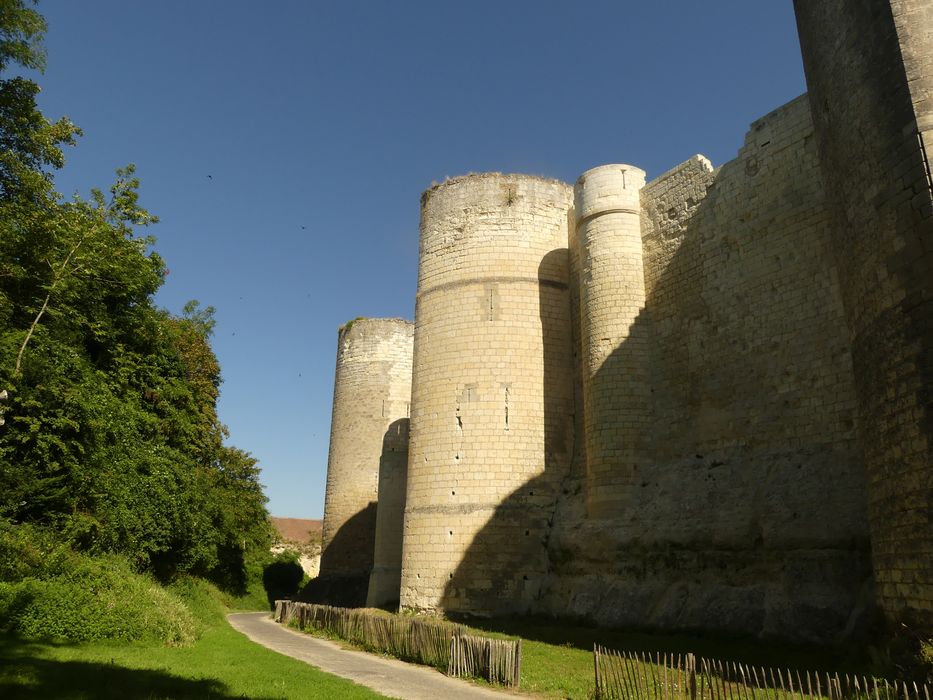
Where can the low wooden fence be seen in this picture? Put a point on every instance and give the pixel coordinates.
(496, 660)
(438, 643)
(631, 676)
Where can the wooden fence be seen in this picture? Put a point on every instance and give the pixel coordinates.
(630, 676)
(496, 660)
(438, 643)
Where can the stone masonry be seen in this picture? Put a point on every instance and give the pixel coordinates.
(704, 402)
(372, 394)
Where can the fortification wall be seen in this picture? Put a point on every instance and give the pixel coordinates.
(372, 391)
(492, 393)
(869, 68)
(747, 513)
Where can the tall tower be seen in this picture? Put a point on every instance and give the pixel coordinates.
(869, 67)
(492, 393)
(372, 393)
(614, 335)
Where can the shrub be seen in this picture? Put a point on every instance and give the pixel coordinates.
(95, 598)
(282, 577)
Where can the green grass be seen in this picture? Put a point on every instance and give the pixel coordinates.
(557, 658)
(221, 664)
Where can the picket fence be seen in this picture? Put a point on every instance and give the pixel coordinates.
(444, 645)
(631, 676)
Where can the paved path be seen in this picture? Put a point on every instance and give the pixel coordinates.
(390, 677)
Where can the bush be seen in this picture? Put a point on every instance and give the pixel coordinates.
(96, 598)
(282, 577)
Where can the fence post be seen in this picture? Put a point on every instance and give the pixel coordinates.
(596, 667)
(692, 676)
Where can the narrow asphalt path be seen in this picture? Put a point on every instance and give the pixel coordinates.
(390, 677)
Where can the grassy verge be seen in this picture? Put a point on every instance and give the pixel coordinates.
(221, 664)
(557, 658)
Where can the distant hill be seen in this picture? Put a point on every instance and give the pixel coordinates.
(298, 530)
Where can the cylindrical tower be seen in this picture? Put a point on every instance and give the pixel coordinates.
(869, 69)
(492, 393)
(614, 338)
(385, 580)
(372, 391)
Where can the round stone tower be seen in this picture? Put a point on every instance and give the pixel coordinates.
(491, 393)
(614, 339)
(372, 393)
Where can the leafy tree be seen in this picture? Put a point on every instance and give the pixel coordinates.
(111, 435)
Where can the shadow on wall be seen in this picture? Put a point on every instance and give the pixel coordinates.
(347, 562)
(506, 564)
(746, 514)
(386, 579)
(336, 585)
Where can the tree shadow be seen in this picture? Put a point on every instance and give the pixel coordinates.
(24, 674)
(345, 564)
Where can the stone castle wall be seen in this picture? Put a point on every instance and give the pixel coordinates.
(869, 68)
(745, 511)
(704, 402)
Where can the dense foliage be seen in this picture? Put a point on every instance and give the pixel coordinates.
(111, 437)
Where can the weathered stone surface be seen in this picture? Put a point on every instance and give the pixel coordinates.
(492, 395)
(372, 391)
(869, 69)
(705, 402)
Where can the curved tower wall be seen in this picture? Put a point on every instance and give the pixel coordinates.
(869, 69)
(614, 337)
(491, 393)
(372, 391)
(385, 580)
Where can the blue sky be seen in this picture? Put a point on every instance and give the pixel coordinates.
(285, 144)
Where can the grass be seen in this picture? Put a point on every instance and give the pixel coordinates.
(221, 664)
(557, 658)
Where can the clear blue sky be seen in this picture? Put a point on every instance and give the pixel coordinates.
(285, 144)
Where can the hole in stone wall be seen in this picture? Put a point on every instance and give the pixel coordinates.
(453, 493)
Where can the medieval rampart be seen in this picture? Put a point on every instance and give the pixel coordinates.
(698, 403)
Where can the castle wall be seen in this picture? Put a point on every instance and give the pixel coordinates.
(492, 393)
(869, 67)
(748, 513)
(616, 396)
(372, 390)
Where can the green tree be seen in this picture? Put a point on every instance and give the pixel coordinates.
(111, 435)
